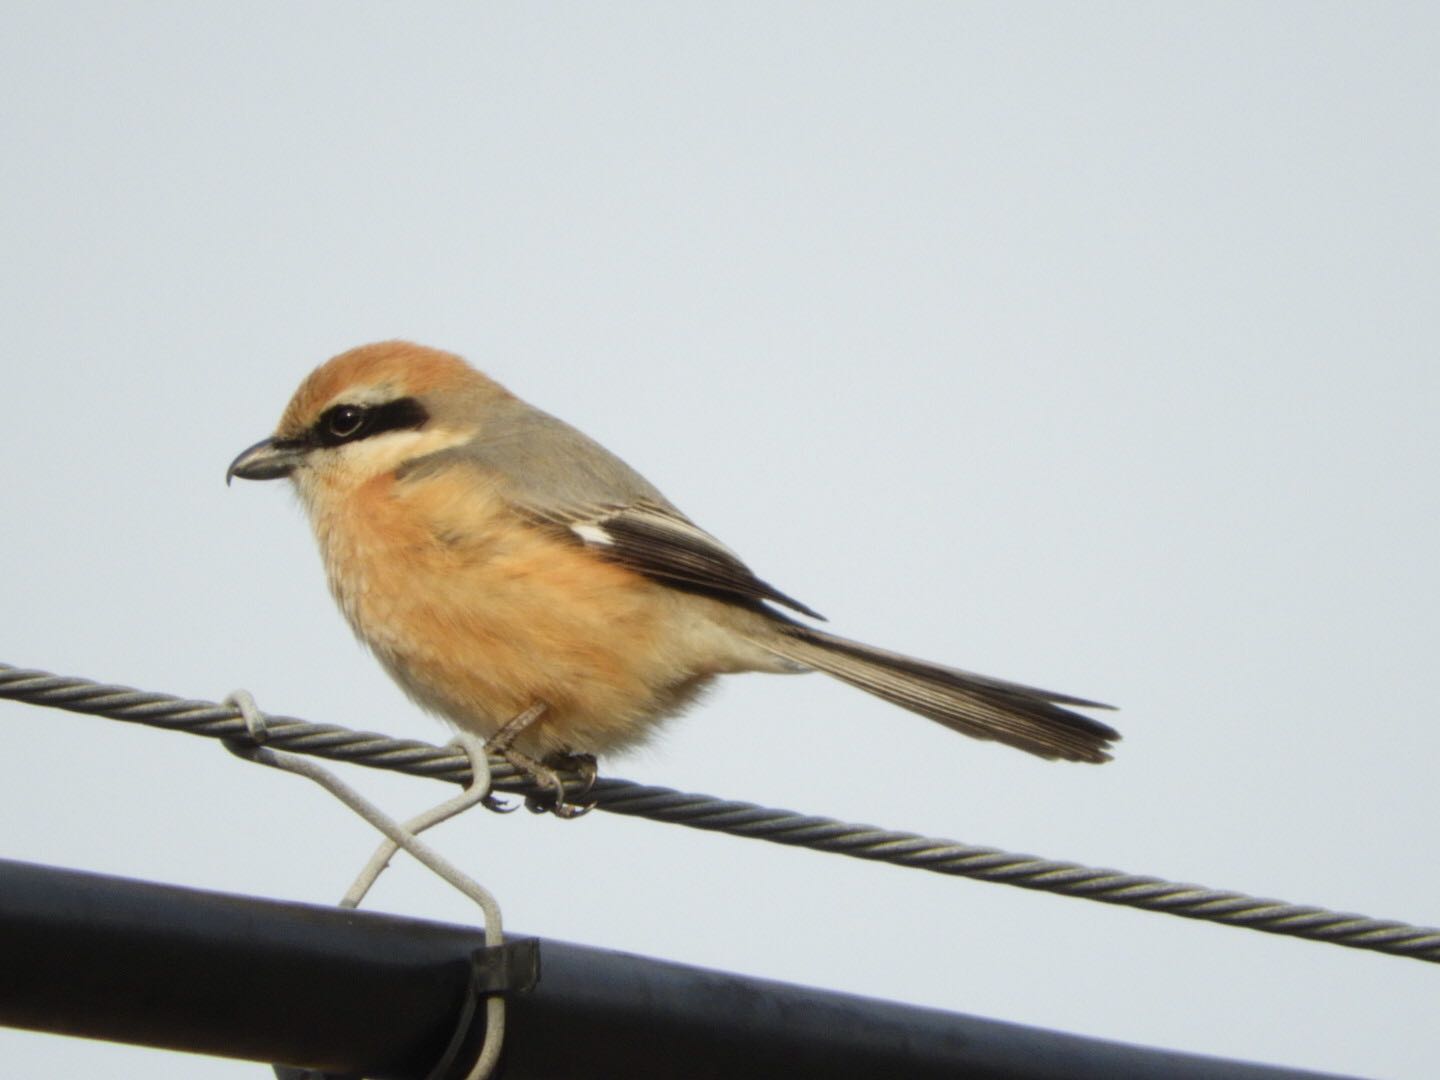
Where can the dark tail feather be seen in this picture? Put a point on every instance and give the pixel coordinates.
(1019, 716)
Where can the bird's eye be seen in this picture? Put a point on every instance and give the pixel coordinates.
(344, 421)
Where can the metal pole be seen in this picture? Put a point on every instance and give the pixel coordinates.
(358, 993)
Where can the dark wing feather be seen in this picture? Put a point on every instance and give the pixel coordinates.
(663, 544)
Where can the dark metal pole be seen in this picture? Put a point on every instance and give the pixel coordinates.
(365, 994)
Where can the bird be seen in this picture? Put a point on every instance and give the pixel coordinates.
(522, 582)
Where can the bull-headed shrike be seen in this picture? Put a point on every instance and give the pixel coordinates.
(521, 581)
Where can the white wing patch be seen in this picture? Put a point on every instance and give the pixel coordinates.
(592, 533)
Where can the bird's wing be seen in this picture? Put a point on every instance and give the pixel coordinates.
(562, 479)
(661, 543)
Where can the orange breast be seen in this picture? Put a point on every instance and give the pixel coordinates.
(479, 614)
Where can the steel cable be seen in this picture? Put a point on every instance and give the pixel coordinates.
(740, 818)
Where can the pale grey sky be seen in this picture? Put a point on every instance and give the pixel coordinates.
(1087, 345)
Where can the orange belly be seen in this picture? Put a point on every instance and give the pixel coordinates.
(479, 615)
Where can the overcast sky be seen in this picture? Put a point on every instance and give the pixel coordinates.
(1095, 346)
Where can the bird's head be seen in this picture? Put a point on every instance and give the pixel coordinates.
(368, 411)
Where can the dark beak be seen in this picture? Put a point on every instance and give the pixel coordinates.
(268, 459)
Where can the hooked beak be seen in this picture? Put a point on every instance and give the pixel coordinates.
(268, 459)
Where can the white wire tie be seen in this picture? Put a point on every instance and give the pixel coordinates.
(399, 836)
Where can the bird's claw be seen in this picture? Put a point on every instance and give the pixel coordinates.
(554, 801)
(549, 804)
(551, 798)
(497, 805)
(584, 764)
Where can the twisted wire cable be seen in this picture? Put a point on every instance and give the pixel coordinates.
(739, 818)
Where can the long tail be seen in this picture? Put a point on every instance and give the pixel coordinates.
(1019, 716)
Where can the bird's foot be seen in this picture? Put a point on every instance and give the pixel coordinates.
(548, 771)
(552, 796)
(584, 764)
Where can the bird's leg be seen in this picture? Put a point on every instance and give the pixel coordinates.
(513, 728)
(499, 743)
(502, 743)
